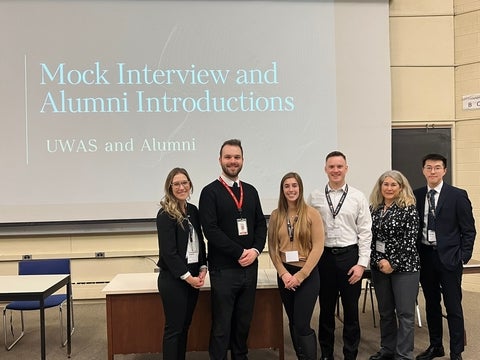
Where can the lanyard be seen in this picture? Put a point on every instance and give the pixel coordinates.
(190, 230)
(431, 202)
(237, 202)
(192, 244)
(384, 213)
(291, 227)
(340, 202)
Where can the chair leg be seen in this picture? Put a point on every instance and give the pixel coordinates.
(9, 347)
(367, 286)
(63, 338)
(369, 289)
(373, 306)
(419, 317)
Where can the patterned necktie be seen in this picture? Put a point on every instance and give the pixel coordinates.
(431, 210)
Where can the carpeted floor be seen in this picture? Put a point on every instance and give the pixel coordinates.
(89, 341)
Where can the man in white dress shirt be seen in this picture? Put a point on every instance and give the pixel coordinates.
(348, 235)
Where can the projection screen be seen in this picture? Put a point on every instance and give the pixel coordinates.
(100, 99)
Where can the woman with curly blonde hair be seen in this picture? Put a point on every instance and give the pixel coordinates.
(182, 261)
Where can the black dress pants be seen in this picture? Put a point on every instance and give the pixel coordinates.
(179, 300)
(233, 300)
(438, 282)
(299, 304)
(333, 269)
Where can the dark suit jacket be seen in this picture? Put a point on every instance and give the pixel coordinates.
(173, 240)
(454, 224)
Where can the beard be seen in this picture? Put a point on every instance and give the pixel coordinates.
(231, 172)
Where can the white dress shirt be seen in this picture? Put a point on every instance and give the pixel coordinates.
(353, 222)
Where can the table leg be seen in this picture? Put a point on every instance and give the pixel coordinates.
(42, 328)
(69, 319)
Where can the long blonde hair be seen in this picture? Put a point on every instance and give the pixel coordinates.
(169, 202)
(302, 226)
(405, 197)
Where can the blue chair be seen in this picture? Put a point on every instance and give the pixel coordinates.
(39, 267)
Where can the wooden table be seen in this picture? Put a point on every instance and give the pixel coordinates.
(135, 318)
(37, 288)
(471, 269)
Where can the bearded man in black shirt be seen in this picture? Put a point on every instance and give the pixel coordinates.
(235, 227)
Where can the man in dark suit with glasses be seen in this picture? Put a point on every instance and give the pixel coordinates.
(445, 242)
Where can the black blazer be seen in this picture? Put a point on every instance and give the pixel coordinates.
(173, 240)
(454, 224)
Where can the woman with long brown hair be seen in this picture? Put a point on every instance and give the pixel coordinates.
(295, 244)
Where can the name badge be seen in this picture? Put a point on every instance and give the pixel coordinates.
(431, 236)
(334, 232)
(291, 256)
(192, 257)
(242, 227)
(380, 246)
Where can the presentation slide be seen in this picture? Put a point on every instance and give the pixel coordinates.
(99, 100)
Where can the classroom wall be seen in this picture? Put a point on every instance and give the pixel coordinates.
(467, 82)
(435, 60)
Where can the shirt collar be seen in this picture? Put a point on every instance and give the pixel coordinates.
(229, 181)
(342, 189)
(437, 188)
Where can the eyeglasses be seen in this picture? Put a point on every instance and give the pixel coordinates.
(178, 184)
(435, 168)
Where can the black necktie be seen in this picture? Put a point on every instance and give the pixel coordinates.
(431, 210)
(236, 189)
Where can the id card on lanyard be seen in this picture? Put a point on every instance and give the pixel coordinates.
(242, 226)
(379, 244)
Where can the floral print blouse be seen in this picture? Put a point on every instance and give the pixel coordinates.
(397, 228)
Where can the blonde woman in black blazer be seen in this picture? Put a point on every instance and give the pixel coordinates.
(182, 261)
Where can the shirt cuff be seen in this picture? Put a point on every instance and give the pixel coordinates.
(363, 261)
(185, 276)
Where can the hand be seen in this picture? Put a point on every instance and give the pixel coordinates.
(385, 267)
(203, 274)
(195, 281)
(355, 273)
(248, 257)
(290, 281)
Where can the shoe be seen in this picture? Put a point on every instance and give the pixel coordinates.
(326, 358)
(431, 352)
(455, 356)
(381, 356)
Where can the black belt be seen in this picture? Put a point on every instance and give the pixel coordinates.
(341, 250)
